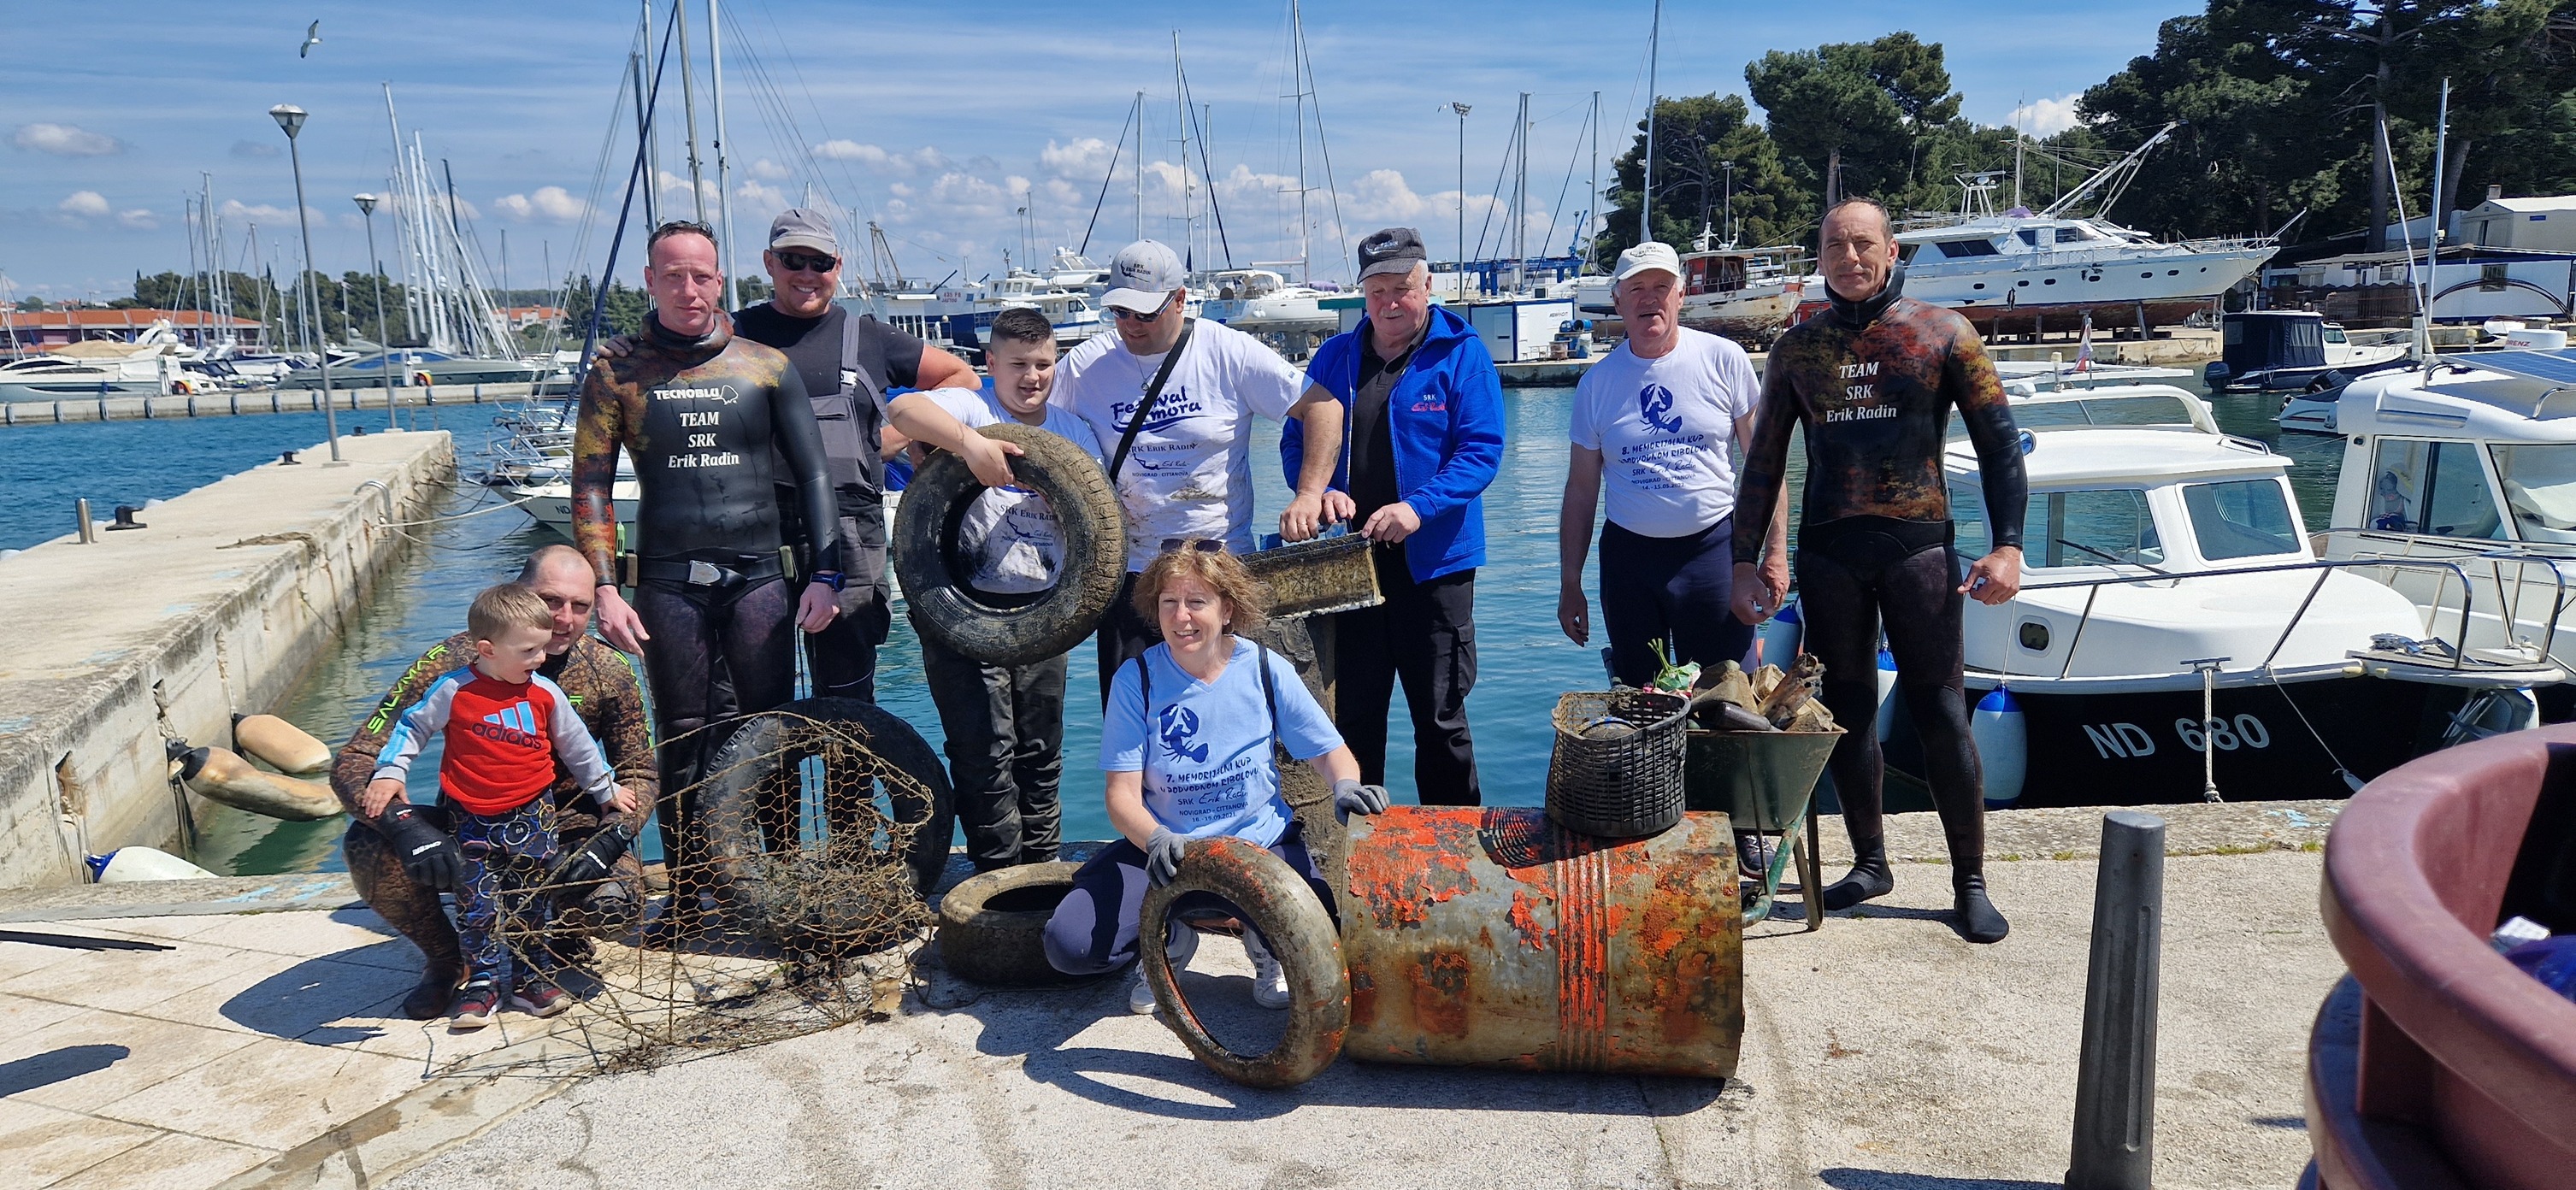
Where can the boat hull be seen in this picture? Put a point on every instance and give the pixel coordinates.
(2136, 748)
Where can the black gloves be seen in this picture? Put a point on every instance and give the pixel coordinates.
(429, 855)
(584, 866)
(1163, 856)
(1350, 797)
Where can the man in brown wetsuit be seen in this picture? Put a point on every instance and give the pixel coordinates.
(1873, 381)
(396, 859)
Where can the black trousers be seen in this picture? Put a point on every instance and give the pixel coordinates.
(842, 658)
(1124, 635)
(698, 635)
(1424, 634)
(1677, 587)
(1005, 728)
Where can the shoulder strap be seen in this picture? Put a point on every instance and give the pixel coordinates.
(1153, 392)
(1269, 688)
(849, 341)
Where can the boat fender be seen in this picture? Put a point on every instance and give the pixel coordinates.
(221, 775)
(279, 744)
(1276, 901)
(992, 926)
(763, 754)
(127, 865)
(2002, 737)
(1886, 694)
(937, 579)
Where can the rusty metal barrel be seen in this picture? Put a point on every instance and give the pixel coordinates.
(1494, 937)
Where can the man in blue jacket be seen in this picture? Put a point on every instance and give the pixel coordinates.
(1425, 411)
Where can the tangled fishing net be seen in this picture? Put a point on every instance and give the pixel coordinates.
(812, 920)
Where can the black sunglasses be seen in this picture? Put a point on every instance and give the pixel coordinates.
(1204, 545)
(798, 262)
(1132, 316)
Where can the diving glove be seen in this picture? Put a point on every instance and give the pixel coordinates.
(429, 855)
(585, 866)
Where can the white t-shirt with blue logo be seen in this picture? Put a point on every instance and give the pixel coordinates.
(1664, 427)
(1013, 535)
(1207, 762)
(1189, 476)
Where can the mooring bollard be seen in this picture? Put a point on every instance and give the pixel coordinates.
(2115, 1081)
(88, 531)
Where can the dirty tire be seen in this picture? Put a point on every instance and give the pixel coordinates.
(755, 756)
(992, 925)
(1279, 903)
(935, 579)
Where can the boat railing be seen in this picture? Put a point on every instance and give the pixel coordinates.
(2435, 654)
(2514, 595)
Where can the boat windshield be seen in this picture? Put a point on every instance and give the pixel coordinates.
(2133, 410)
(2540, 488)
(2241, 518)
(2094, 528)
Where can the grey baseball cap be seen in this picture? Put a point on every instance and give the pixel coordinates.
(1391, 250)
(801, 227)
(1147, 272)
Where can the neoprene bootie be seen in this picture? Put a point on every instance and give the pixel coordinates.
(1869, 878)
(436, 991)
(1978, 920)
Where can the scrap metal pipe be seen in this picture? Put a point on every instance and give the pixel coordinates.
(1494, 937)
(2115, 1080)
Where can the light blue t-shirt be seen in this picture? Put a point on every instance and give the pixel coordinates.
(1013, 535)
(1207, 762)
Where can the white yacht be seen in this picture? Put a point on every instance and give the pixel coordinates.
(94, 369)
(2466, 474)
(2168, 570)
(2033, 272)
(1260, 300)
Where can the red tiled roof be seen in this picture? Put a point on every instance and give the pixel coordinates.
(33, 320)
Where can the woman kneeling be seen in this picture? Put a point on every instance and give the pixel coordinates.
(1186, 743)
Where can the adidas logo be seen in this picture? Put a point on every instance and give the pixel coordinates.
(520, 717)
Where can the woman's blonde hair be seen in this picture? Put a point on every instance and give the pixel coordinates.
(1246, 601)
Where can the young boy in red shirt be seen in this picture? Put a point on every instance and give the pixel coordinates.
(506, 729)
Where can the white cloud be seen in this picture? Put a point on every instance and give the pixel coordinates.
(2046, 117)
(255, 149)
(139, 219)
(1085, 157)
(236, 212)
(65, 140)
(752, 198)
(86, 204)
(768, 171)
(921, 160)
(551, 204)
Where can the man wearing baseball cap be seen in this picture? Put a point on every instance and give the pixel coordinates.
(1424, 405)
(849, 362)
(1172, 399)
(1653, 424)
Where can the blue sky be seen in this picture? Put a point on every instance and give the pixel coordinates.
(935, 120)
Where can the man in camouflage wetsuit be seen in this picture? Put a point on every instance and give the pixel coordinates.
(1873, 381)
(702, 413)
(383, 854)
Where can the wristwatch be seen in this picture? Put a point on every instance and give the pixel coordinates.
(830, 578)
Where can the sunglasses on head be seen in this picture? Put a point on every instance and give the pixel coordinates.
(1204, 545)
(800, 262)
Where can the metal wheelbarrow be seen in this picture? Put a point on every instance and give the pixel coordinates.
(1765, 781)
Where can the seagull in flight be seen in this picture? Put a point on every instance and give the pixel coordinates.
(312, 38)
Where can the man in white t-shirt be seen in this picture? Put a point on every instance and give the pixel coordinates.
(1005, 723)
(1187, 473)
(1655, 424)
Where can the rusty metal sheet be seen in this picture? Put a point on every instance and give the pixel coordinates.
(1494, 937)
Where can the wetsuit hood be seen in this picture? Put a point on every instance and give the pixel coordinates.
(714, 340)
(1857, 314)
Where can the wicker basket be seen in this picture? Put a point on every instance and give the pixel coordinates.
(1618, 784)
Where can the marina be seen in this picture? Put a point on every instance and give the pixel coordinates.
(801, 687)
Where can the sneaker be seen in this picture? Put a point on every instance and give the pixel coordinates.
(474, 1007)
(1269, 982)
(540, 996)
(1140, 994)
(1753, 854)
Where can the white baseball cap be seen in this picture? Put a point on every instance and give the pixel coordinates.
(1146, 273)
(1647, 257)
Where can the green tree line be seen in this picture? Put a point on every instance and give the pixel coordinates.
(2280, 104)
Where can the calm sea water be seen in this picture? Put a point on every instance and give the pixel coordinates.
(1524, 661)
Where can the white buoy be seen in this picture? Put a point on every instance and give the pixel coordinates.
(1779, 637)
(2002, 737)
(1886, 694)
(128, 864)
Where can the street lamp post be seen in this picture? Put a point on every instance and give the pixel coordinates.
(1461, 270)
(384, 345)
(291, 118)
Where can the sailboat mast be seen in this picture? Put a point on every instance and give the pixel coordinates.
(1181, 114)
(1646, 194)
(1595, 195)
(689, 111)
(724, 186)
(1520, 205)
(405, 214)
(1140, 165)
(2432, 221)
(643, 125)
(1297, 79)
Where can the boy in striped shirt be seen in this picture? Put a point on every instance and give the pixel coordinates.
(505, 728)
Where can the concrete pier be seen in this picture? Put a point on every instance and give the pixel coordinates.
(216, 606)
(358, 401)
